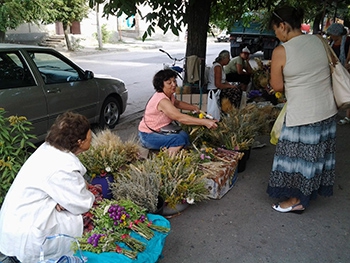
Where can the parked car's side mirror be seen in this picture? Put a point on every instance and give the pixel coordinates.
(88, 74)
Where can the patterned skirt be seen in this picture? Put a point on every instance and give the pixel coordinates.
(304, 162)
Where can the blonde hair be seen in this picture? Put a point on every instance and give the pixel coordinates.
(222, 55)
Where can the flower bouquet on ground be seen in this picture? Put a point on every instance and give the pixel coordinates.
(113, 224)
(181, 180)
(138, 184)
(108, 154)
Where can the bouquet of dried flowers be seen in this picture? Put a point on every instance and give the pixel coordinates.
(113, 222)
(261, 74)
(138, 184)
(181, 179)
(108, 153)
(238, 129)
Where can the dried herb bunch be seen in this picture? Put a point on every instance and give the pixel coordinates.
(138, 184)
(108, 153)
(181, 178)
(238, 129)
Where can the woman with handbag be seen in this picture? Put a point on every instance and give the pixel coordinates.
(163, 109)
(340, 43)
(49, 194)
(304, 160)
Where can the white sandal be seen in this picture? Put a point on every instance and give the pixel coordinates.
(346, 120)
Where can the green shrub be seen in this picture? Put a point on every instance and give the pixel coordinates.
(14, 145)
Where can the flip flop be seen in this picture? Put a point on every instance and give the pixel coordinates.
(278, 208)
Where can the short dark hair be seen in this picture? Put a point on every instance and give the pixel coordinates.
(161, 76)
(67, 129)
(291, 15)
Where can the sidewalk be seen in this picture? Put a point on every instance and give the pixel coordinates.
(123, 46)
(243, 228)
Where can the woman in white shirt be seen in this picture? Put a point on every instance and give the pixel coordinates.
(49, 194)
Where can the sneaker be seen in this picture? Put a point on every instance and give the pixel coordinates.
(346, 120)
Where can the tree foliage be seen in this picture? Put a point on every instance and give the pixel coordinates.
(67, 12)
(16, 12)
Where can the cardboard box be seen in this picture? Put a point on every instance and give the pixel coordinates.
(218, 187)
(199, 100)
(221, 175)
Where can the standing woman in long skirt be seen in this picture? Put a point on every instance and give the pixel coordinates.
(304, 161)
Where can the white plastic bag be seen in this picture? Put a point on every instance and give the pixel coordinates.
(213, 104)
(243, 103)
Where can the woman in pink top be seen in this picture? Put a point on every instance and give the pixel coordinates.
(162, 109)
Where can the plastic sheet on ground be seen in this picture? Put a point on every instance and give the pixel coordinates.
(152, 253)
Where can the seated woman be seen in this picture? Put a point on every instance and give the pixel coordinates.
(239, 69)
(162, 109)
(49, 194)
(217, 80)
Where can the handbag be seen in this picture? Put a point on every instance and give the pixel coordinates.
(213, 107)
(340, 78)
(277, 126)
(172, 127)
(64, 258)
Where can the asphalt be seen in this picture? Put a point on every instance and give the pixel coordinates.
(242, 227)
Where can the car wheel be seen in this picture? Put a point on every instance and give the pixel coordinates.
(110, 113)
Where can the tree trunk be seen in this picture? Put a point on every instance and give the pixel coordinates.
(2, 36)
(98, 27)
(66, 36)
(197, 13)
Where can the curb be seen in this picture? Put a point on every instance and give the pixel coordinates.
(92, 50)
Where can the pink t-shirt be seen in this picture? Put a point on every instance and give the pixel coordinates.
(154, 118)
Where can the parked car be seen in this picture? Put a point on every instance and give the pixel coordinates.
(41, 83)
(223, 36)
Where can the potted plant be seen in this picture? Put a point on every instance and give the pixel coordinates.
(14, 142)
(107, 155)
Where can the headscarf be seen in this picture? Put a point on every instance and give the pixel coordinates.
(337, 29)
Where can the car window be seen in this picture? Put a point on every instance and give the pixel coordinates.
(14, 73)
(53, 69)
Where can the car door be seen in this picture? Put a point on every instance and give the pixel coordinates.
(20, 93)
(65, 86)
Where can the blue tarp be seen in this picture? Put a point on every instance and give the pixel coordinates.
(152, 253)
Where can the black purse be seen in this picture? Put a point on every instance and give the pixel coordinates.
(172, 127)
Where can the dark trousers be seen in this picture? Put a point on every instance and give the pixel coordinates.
(235, 77)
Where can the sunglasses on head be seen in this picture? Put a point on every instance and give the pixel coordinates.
(280, 18)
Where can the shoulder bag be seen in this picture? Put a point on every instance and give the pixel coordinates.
(340, 78)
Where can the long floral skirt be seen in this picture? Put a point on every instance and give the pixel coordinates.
(304, 162)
